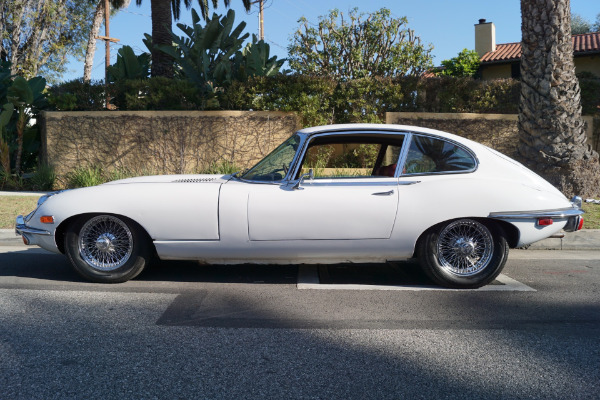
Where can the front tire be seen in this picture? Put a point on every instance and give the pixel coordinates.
(463, 254)
(107, 248)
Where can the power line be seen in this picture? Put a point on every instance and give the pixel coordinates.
(134, 13)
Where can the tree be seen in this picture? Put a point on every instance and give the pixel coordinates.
(580, 25)
(161, 28)
(465, 64)
(38, 35)
(552, 136)
(95, 28)
(358, 46)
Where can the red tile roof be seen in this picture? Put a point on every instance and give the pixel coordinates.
(582, 44)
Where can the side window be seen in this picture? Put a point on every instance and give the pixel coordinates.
(430, 155)
(352, 157)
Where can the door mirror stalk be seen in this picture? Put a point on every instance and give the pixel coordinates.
(310, 175)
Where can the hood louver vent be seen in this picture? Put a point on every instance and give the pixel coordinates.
(194, 180)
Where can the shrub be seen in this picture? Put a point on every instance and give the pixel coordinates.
(43, 178)
(85, 176)
(77, 95)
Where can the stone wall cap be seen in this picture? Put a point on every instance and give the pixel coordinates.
(165, 113)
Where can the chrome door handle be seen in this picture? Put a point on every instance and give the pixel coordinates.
(406, 183)
(391, 192)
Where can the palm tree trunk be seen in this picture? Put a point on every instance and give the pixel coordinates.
(551, 128)
(162, 64)
(91, 46)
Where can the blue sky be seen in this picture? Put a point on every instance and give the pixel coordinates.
(447, 25)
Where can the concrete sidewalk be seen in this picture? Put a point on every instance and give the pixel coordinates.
(32, 194)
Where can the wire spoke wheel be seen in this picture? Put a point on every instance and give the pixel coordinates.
(465, 247)
(105, 243)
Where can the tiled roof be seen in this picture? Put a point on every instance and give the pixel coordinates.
(582, 44)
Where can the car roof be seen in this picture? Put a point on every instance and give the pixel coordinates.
(386, 128)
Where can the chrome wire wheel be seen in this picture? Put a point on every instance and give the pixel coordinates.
(105, 243)
(465, 248)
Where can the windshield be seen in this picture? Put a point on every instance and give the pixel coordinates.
(275, 166)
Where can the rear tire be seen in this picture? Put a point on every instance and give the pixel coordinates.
(463, 254)
(106, 248)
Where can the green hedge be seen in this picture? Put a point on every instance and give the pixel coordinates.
(318, 100)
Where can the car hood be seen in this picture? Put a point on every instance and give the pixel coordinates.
(173, 178)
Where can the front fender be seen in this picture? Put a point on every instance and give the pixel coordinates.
(167, 211)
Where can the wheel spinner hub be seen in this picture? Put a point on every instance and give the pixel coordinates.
(105, 243)
(464, 247)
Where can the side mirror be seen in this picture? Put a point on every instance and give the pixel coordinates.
(310, 175)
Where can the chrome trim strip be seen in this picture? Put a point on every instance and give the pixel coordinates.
(21, 228)
(562, 213)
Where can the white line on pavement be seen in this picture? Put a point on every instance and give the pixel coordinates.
(308, 278)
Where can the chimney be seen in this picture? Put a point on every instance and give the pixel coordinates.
(485, 37)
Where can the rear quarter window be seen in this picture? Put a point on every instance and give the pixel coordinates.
(432, 155)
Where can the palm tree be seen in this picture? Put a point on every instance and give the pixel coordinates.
(551, 129)
(161, 27)
(96, 23)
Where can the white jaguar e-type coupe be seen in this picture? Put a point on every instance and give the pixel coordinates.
(340, 193)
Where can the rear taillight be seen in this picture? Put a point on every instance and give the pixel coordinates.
(544, 221)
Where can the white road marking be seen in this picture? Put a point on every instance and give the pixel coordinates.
(308, 278)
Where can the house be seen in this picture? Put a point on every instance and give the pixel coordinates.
(503, 60)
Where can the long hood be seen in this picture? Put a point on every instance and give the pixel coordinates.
(173, 179)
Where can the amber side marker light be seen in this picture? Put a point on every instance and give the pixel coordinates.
(545, 221)
(47, 219)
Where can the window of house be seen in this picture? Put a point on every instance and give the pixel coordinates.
(431, 155)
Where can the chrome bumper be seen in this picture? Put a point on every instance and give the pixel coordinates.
(573, 215)
(25, 231)
(558, 214)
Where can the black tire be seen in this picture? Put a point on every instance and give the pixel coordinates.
(463, 254)
(106, 248)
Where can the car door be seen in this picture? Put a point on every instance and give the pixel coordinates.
(354, 193)
(324, 209)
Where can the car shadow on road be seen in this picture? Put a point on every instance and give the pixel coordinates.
(33, 263)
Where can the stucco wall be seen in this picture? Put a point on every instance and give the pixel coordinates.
(496, 71)
(588, 64)
(498, 131)
(162, 142)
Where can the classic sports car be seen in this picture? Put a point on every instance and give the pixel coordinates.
(340, 193)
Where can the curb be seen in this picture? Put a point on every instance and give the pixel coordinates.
(9, 238)
(31, 194)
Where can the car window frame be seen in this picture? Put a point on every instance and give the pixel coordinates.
(305, 144)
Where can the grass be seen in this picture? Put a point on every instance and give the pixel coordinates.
(591, 218)
(11, 206)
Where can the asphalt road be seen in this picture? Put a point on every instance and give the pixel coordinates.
(185, 331)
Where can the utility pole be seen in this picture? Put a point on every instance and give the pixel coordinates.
(261, 19)
(261, 16)
(107, 40)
